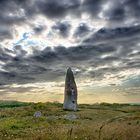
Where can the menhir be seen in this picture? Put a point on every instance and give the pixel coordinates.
(70, 94)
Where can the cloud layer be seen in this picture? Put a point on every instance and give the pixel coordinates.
(98, 39)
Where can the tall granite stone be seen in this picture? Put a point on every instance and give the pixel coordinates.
(70, 95)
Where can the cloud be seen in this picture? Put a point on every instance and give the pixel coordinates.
(56, 8)
(61, 28)
(121, 33)
(11, 12)
(104, 51)
(5, 54)
(114, 10)
(41, 38)
(132, 81)
(19, 51)
(17, 12)
(39, 29)
(47, 64)
(5, 33)
(133, 7)
(82, 30)
(93, 7)
(50, 64)
(124, 12)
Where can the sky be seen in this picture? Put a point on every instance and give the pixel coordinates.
(98, 39)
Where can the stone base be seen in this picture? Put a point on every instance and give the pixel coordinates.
(71, 106)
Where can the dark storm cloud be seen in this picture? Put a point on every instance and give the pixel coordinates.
(5, 54)
(55, 8)
(103, 47)
(50, 64)
(5, 33)
(39, 28)
(19, 51)
(13, 77)
(19, 12)
(82, 30)
(123, 10)
(92, 6)
(61, 28)
(116, 11)
(133, 7)
(112, 10)
(105, 34)
(9, 12)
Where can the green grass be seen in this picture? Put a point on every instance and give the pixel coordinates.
(12, 104)
(95, 122)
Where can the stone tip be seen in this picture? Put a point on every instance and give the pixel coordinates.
(69, 68)
(69, 74)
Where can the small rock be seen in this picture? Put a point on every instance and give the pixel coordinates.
(70, 116)
(37, 114)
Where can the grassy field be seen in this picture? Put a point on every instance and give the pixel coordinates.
(94, 122)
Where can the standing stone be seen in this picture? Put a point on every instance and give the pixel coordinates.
(70, 95)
